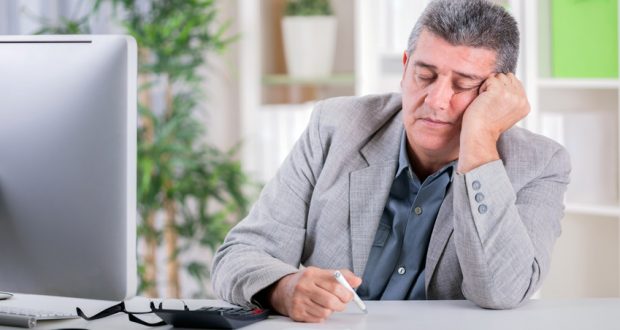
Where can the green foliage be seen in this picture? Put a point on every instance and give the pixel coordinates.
(67, 26)
(174, 163)
(308, 8)
(177, 32)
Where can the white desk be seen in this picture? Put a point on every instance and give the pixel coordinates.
(447, 314)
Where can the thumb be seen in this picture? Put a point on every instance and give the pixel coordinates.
(353, 280)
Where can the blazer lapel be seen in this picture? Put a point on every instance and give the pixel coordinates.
(369, 188)
(439, 238)
(368, 194)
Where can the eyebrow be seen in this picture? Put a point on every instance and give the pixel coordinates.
(462, 74)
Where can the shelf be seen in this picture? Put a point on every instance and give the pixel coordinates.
(579, 83)
(592, 209)
(339, 79)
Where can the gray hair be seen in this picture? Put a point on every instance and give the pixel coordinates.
(472, 23)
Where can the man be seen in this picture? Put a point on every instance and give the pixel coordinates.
(432, 194)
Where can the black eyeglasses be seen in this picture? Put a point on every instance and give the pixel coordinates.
(120, 308)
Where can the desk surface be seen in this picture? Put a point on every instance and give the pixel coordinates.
(446, 314)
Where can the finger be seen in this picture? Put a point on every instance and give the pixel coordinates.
(493, 82)
(353, 279)
(316, 308)
(515, 82)
(485, 84)
(330, 284)
(306, 310)
(511, 76)
(336, 289)
(317, 312)
(327, 299)
(321, 287)
(503, 78)
(309, 313)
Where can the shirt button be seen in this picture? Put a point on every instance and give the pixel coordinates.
(401, 270)
(479, 197)
(417, 210)
(476, 185)
(482, 209)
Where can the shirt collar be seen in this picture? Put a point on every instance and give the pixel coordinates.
(403, 157)
(405, 165)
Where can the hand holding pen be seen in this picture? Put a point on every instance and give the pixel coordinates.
(358, 301)
(311, 294)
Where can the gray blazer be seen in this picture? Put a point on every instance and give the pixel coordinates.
(324, 205)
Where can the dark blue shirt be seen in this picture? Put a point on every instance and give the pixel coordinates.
(395, 267)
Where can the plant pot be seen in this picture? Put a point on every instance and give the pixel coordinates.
(309, 44)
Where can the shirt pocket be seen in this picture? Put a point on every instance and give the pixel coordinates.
(383, 232)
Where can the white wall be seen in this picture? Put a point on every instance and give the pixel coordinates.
(222, 87)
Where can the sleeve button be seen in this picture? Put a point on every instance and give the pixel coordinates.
(476, 185)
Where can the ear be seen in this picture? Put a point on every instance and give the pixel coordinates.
(405, 62)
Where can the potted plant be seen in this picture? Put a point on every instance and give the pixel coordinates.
(196, 190)
(309, 32)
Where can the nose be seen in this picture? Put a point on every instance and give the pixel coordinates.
(439, 94)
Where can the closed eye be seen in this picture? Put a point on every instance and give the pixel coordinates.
(465, 88)
(424, 78)
(458, 89)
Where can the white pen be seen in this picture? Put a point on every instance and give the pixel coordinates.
(346, 284)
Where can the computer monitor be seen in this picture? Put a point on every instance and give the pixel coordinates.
(68, 166)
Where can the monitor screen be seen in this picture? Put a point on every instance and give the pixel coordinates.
(68, 166)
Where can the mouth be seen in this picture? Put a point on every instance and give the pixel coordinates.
(434, 122)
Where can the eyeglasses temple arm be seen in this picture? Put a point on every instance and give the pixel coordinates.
(106, 312)
(132, 318)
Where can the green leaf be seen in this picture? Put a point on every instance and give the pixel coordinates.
(307, 8)
(174, 161)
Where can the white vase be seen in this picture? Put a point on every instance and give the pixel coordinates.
(309, 44)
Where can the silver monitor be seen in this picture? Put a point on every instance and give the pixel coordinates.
(68, 166)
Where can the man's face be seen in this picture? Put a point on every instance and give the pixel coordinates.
(439, 82)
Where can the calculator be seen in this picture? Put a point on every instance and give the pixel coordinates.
(212, 317)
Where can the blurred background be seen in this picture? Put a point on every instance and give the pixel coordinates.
(228, 86)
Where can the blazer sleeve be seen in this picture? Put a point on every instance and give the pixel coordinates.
(268, 243)
(504, 238)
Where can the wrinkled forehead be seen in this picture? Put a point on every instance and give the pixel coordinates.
(435, 52)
